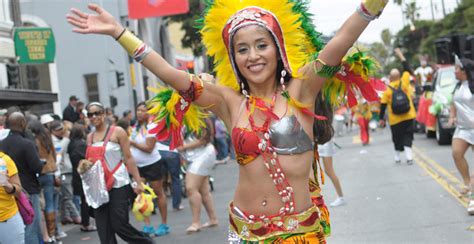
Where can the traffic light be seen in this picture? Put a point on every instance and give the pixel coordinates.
(13, 73)
(120, 78)
(113, 101)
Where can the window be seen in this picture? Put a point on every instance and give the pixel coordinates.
(5, 15)
(92, 87)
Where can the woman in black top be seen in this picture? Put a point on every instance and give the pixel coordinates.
(77, 152)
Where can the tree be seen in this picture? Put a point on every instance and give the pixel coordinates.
(192, 38)
(412, 13)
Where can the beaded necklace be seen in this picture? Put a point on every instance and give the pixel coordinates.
(270, 157)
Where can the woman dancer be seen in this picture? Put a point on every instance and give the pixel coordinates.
(201, 155)
(152, 168)
(111, 144)
(262, 50)
(462, 114)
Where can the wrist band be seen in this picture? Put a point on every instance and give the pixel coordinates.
(133, 45)
(121, 33)
(325, 71)
(362, 11)
(371, 9)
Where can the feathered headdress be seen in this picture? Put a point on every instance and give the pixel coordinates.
(290, 24)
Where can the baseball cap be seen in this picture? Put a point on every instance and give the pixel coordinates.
(46, 118)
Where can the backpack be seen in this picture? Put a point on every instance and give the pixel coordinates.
(400, 102)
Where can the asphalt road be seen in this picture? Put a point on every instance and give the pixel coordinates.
(386, 202)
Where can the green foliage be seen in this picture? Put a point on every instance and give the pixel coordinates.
(421, 40)
(192, 38)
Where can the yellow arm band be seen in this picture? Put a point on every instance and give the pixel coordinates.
(130, 42)
(374, 7)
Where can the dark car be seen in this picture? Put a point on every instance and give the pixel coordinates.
(444, 82)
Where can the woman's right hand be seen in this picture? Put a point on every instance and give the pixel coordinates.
(101, 23)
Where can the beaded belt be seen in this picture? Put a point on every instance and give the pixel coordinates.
(262, 228)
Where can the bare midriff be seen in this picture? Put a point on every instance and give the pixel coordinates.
(256, 192)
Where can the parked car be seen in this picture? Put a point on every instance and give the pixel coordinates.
(444, 82)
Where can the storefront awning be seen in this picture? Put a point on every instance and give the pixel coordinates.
(19, 97)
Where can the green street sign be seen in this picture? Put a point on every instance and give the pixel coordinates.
(34, 45)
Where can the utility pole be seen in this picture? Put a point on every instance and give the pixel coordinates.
(16, 13)
(444, 8)
(432, 10)
(16, 16)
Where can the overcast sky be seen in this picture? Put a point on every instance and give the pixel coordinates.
(330, 14)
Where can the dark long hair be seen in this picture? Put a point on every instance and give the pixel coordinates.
(322, 129)
(469, 69)
(42, 135)
(77, 132)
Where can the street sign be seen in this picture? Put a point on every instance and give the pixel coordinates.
(34, 45)
(139, 9)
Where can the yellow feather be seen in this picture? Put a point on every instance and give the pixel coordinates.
(297, 44)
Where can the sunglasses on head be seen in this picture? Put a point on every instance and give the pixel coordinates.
(97, 113)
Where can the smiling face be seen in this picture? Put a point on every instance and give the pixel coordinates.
(96, 115)
(255, 54)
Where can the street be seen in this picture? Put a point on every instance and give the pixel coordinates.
(386, 202)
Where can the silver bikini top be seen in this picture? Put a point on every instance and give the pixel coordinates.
(288, 137)
(464, 101)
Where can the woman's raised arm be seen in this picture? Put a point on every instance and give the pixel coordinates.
(331, 56)
(104, 23)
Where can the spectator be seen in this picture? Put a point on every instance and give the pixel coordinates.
(128, 116)
(221, 142)
(25, 155)
(12, 229)
(68, 211)
(401, 125)
(80, 109)
(77, 151)
(48, 156)
(424, 73)
(173, 166)
(3, 117)
(70, 112)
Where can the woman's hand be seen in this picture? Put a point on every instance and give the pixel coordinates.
(451, 121)
(139, 189)
(101, 23)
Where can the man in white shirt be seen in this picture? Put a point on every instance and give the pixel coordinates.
(424, 73)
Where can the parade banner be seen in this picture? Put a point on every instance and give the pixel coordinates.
(34, 45)
(139, 9)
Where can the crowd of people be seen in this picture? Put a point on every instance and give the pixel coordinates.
(44, 153)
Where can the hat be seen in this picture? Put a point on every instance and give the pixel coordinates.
(3, 111)
(56, 125)
(46, 118)
(73, 98)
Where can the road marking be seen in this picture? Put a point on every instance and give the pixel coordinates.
(431, 167)
(438, 167)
